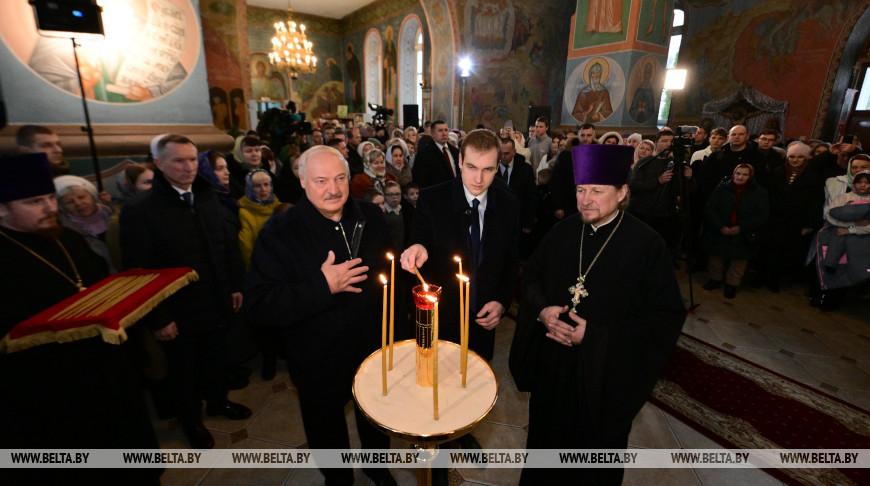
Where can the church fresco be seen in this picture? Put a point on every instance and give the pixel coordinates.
(594, 91)
(782, 48)
(600, 22)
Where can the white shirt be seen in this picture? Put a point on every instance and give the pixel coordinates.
(181, 191)
(701, 154)
(449, 156)
(481, 209)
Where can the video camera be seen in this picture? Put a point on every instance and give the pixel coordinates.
(381, 115)
(281, 126)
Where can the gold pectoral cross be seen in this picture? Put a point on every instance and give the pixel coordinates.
(578, 291)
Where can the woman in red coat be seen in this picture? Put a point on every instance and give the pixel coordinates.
(373, 177)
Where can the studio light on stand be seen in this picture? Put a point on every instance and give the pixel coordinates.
(73, 19)
(465, 66)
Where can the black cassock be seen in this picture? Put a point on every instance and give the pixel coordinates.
(586, 396)
(81, 394)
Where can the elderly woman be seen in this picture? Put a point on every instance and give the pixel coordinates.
(397, 161)
(82, 211)
(364, 148)
(255, 208)
(374, 175)
(246, 156)
(634, 139)
(796, 199)
(736, 211)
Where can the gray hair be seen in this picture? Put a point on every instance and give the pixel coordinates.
(798, 145)
(316, 151)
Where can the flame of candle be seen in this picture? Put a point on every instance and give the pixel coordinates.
(462, 277)
(425, 287)
(457, 259)
(383, 279)
(390, 256)
(432, 298)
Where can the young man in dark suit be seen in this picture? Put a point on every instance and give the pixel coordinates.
(436, 161)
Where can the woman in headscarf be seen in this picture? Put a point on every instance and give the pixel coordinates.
(397, 161)
(82, 211)
(646, 148)
(365, 147)
(611, 138)
(255, 208)
(134, 179)
(245, 157)
(374, 175)
(796, 201)
(213, 168)
(736, 211)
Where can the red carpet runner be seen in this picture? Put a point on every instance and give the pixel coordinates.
(742, 405)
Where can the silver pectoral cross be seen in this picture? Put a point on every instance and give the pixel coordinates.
(578, 291)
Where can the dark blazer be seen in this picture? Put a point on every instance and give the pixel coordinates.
(159, 230)
(441, 224)
(326, 336)
(430, 168)
(522, 185)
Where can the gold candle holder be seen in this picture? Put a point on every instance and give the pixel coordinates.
(425, 320)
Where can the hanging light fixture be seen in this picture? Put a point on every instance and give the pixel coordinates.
(291, 49)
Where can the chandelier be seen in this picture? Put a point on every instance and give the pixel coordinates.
(291, 49)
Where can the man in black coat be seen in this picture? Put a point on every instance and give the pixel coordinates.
(436, 162)
(309, 279)
(443, 226)
(180, 223)
(520, 179)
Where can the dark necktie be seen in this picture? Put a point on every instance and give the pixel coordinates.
(187, 197)
(475, 251)
(447, 159)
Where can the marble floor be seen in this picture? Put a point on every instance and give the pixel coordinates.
(826, 350)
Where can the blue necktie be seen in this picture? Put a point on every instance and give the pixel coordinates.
(187, 197)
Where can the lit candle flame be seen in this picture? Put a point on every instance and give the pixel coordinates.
(390, 256)
(383, 279)
(432, 298)
(462, 277)
(425, 287)
(456, 258)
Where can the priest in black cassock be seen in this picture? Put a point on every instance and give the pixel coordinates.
(81, 394)
(600, 315)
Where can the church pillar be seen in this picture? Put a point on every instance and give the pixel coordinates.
(615, 69)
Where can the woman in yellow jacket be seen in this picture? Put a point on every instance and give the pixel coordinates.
(255, 208)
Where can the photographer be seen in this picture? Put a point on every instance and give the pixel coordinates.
(656, 188)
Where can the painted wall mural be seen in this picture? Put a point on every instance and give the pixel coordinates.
(601, 22)
(782, 48)
(223, 58)
(519, 62)
(655, 21)
(594, 90)
(645, 88)
(148, 66)
(149, 48)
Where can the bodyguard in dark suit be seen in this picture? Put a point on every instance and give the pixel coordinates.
(520, 178)
(436, 162)
(309, 279)
(180, 222)
(478, 220)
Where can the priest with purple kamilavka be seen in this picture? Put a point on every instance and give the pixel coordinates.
(600, 315)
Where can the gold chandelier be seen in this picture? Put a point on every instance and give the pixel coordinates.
(291, 49)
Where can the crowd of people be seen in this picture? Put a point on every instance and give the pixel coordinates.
(286, 237)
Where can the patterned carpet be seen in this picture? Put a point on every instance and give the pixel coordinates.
(742, 405)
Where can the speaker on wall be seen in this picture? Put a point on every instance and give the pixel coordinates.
(68, 16)
(538, 111)
(411, 115)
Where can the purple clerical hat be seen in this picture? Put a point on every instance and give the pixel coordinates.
(24, 176)
(602, 164)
